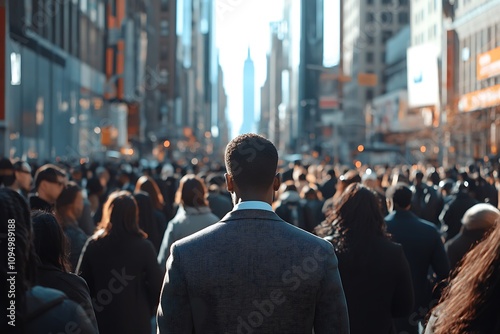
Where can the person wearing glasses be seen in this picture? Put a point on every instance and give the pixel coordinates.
(49, 183)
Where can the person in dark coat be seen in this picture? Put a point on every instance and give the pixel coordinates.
(147, 221)
(328, 186)
(423, 249)
(374, 271)
(454, 210)
(289, 206)
(476, 223)
(54, 268)
(32, 308)
(312, 204)
(149, 185)
(425, 203)
(119, 265)
(219, 203)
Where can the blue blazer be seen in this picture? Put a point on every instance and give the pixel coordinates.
(423, 248)
(252, 273)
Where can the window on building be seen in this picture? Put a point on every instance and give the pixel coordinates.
(386, 17)
(370, 17)
(369, 57)
(403, 18)
(403, 2)
(387, 2)
(164, 27)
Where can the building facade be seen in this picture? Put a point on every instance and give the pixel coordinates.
(56, 81)
(475, 124)
(366, 27)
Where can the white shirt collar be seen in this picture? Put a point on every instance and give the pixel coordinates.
(253, 205)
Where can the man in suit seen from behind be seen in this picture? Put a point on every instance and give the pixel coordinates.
(252, 272)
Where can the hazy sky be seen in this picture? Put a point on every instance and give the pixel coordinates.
(245, 23)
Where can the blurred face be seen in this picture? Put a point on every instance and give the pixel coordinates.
(24, 178)
(51, 190)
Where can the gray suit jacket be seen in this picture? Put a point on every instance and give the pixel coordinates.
(252, 273)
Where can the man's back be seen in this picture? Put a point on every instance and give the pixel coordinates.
(252, 273)
(423, 249)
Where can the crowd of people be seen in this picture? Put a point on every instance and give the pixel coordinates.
(253, 246)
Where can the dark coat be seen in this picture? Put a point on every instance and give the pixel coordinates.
(219, 204)
(72, 285)
(377, 285)
(252, 272)
(50, 311)
(423, 249)
(124, 280)
(36, 203)
(313, 215)
(453, 212)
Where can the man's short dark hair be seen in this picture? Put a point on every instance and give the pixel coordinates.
(400, 194)
(252, 161)
(48, 172)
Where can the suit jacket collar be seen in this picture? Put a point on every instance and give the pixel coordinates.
(251, 214)
(401, 214)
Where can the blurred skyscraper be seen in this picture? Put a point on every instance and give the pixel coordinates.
(248, 96)
(367, 26)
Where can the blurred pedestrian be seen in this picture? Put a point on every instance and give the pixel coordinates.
(476, 223)
(50, 181)
(374, 271)
(423, 249)
(36, 309)
(53, 270)
(69, 207)
(120, 268)
(193, 215)
(148, 185)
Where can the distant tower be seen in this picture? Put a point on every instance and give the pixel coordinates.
(248, 96)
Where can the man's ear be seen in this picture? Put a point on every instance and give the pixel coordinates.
(277, 182)
(229, 182)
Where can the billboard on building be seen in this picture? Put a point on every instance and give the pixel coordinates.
(484, 98)
(328, 96)
(488, 64)
(387, 111)
(423, 80)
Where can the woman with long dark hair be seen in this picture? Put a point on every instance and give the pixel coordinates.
(119, 265)
(36, 309)
(149, 186)
(69, 208)
(53, 270)
(471, 301)
(374, 271)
